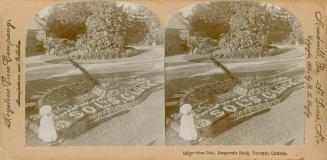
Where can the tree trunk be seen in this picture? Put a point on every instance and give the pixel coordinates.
(84, 71)
(228, 72)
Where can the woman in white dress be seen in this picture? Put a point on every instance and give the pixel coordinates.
(47, 130)
(187, 130)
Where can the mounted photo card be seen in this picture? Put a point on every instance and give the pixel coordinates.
(175, 79)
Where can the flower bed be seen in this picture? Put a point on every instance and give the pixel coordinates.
(228, 108)
(75, 115)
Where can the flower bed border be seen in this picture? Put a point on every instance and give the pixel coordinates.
(231, 120)
(89, 121)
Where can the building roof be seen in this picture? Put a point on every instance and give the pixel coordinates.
(37, 23)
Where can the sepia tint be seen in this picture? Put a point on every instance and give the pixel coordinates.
(240, 65)
(218, 73)
(97, 68)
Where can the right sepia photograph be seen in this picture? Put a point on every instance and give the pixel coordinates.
(234, 75)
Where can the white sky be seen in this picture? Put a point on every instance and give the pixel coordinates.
(44, 12)
(188, 9)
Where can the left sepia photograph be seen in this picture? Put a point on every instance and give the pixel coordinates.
(94, 76)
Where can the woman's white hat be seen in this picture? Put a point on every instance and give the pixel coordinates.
(185, 108)
(45, 109)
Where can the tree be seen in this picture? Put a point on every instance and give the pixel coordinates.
(205, 47)
(105, 28)
(287, 28)
(93, 80)
(155, 33)
(211, 19)
(239, 25)
(67, 20)
(248, 28)
(137, 27)
(144, 26)
(281, 24)
(101, 29)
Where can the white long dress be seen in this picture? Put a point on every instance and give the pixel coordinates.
(187, 130)
(47, 130)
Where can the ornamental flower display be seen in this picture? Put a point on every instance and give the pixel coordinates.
(76, 114)
(176, 115)
(35, 117)
(61, 124)
(128, 96)
(138, 89)
(102, 104)
(112, 95)
(229, 108)
(243, 102)
(279, 89)
(201, 123)
(114, 100)
(205, 105)
(217, 113)
(269, 95)
(89, 110)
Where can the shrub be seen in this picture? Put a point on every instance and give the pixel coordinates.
(249, 52)
(202, 46)
(110, 53)
(129, 52)
(58, 47)
(35, 48)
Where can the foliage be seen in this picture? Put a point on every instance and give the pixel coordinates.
(210, 47)
(84, 71)
(205, 47)
(296, 32)
(102, 28)
(143, 26)
(35, 48)
(72, 20)
(248, 29)
(59, 47)
(105, 28)
(67, 20)
(202, 46)
(136, 35)
(110, 53)
(211, 19)
(155, 33)
(248, 53)
(241, 25)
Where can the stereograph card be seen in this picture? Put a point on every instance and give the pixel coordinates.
(183, 79)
